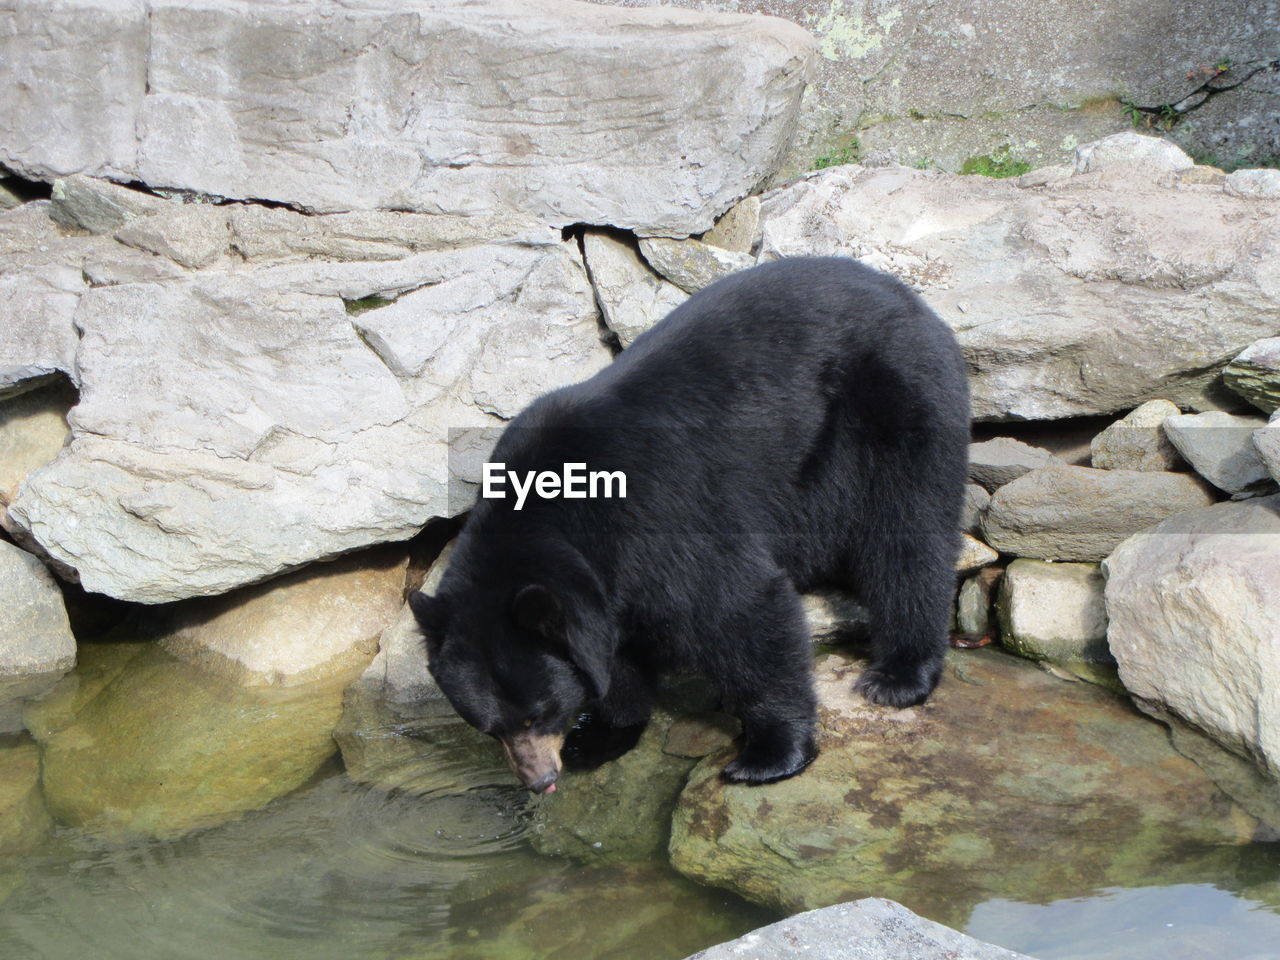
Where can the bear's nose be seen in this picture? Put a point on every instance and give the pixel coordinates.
(547, 784)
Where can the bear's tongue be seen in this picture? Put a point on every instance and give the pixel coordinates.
(550, 789)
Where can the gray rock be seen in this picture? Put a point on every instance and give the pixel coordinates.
(738, 229)
(994, 463)
(35, 635)
(1255, 374)
(8, 199)
(238, 424)
(974, 602)
(1258, 184)
(692, 264)
(1267, 442)
(193, 235)
(100, 206)
(1053, 611)
(974, 555)
(1131, 154)
(1137, 441)
(1078, 513)
(632, 296)
(456, 107)
(1085, 297)
(868, 929)
(976, 499)
(33, 429)
(1192, 606)
(1219, 447)
(833, 614)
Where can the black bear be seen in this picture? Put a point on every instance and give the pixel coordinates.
(800, 424)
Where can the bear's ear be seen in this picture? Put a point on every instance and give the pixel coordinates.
(536, 608)
(432, 614)
(575, 634)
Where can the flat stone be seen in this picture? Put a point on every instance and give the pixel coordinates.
(984, 791)
(692, 264)
(1053, 611)
(24, 821)
(457, 107)
(1193, 627)
(1219, 447)
(1255, 374)
(994, 463)
(1137, 440)
(1084, 297)
(310, 625)
(1078, 513)
(139, 744)
(100, 206)
(35, 635)
(212, 449)
(632, 296)
(867, 929)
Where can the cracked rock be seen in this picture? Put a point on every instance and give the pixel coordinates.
(692, 264)
(632, 296)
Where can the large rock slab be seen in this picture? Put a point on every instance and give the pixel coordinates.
(1007, 783)
(305, 626)
(1078, 513)
(235, 424)
(995, 462)
(456, 107)
(140, 744)
(1090, 294)
(1219, 446)
(35, 635)
(1053, 611)
(868, 929)
(632, 296)
(1192, 606)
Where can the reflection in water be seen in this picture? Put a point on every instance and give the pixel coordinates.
(1181, 922)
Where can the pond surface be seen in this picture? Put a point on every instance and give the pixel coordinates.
(422, 850)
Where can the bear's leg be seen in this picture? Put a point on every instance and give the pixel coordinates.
(614, 724)
(766, 678)
(908, 587)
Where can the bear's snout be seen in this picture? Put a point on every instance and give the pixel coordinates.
(535, 758)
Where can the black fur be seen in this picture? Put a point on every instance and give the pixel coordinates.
(801, 424)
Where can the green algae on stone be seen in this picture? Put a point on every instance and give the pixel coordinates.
(1006, 783)
(621, 810)
(146, 745)
(24, 821)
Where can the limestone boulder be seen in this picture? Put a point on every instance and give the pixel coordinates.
(692, 264)
(139, 744)
(35, 635)
(33, 430)
(1258, 184)
(1137, 440)
(235, 424)
(974, 602)
(1131, 155)
(974, 555)
(1088, 295)
(455, 107)
(1255, 374)
(1079, 513)
(868, 929)
(632, 296)
(1006, 783)
(1219, 447)
(309, 625)
(1191, 605)
(1053, 611)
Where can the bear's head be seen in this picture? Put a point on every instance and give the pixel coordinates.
(518, 662)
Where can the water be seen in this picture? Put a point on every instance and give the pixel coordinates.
(418, 849)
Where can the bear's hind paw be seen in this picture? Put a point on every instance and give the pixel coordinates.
(892, 689)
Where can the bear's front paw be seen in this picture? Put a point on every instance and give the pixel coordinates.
(767, 766)
(897, 688)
